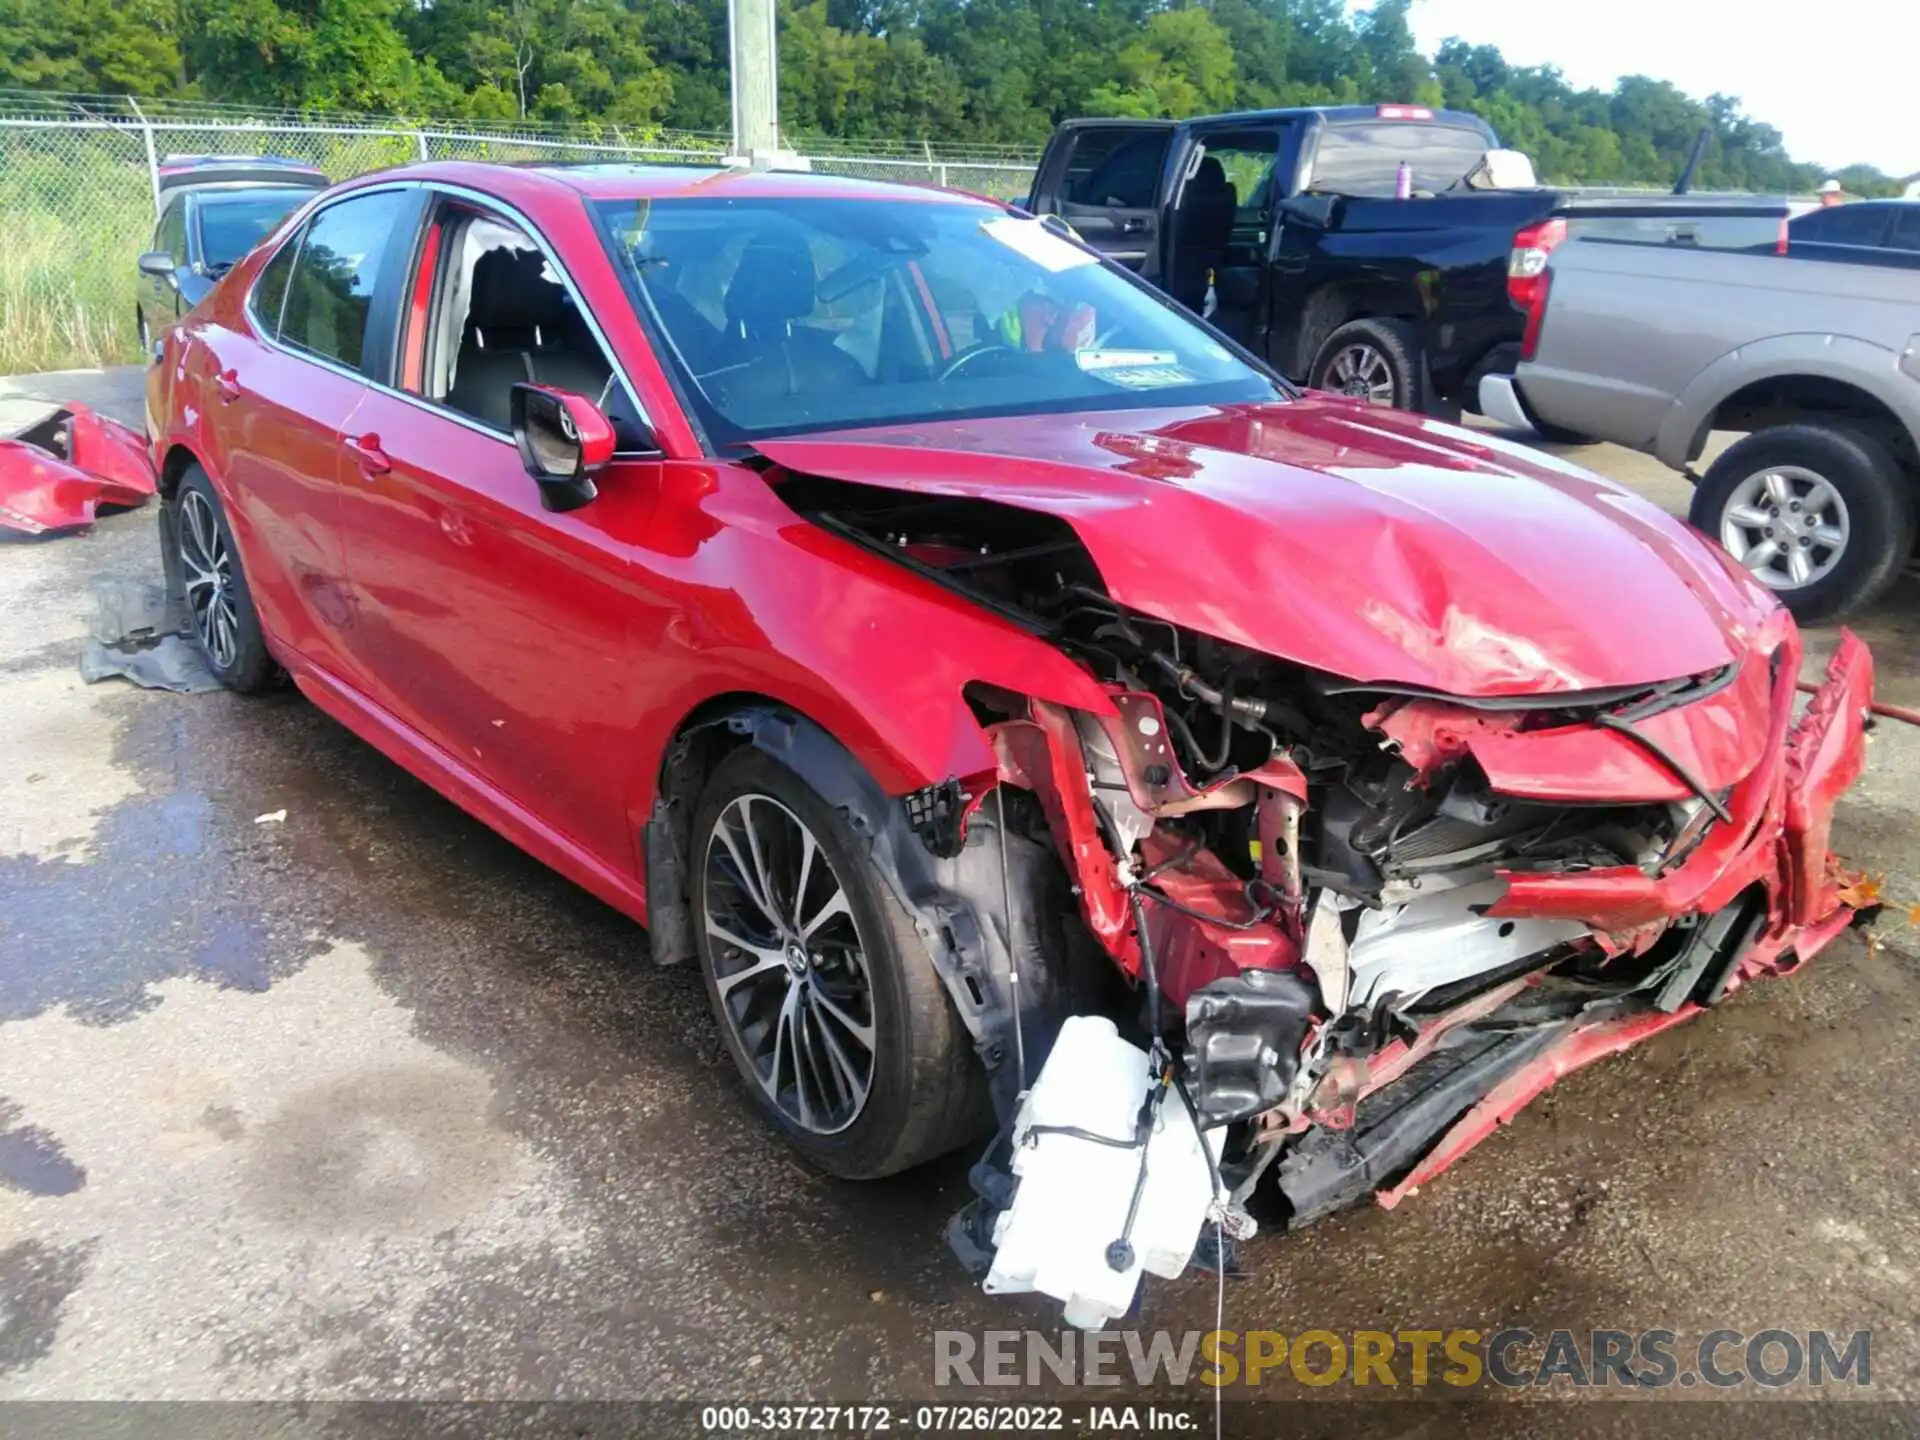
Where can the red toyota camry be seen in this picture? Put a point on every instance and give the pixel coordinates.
(944, 641)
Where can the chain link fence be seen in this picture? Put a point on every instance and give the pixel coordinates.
(78, 173)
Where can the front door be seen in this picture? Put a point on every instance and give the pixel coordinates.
(499, 631)
(1103, 178)
(160, 294)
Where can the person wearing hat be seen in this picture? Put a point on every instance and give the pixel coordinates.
(1831, 193)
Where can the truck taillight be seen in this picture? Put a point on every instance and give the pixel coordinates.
(1536, 315)
(1526, 266)
(1403, 112)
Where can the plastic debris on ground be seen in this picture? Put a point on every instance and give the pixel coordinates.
(58, 471)
(138, 635)
(1067, 1232)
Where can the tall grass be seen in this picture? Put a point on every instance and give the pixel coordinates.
(76, 210)
(72, 220)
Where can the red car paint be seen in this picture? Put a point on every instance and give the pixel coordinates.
(535, 666)
(56, 472)
(1366, 542)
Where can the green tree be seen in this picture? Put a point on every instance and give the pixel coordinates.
(1181, 64)
(90, 46)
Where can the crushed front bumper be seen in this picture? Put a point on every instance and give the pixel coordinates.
(1777, 847)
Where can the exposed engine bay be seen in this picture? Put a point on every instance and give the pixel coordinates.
(1363, 923)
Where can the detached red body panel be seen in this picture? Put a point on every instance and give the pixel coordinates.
(58, 471)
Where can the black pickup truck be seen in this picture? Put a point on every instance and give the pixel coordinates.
(1282, 228)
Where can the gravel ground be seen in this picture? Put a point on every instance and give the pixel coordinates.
(365, 1105)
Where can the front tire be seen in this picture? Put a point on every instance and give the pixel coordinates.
(214, 585)
(1373, 360)
(146, 335)
(824, 993)
(1823, 517)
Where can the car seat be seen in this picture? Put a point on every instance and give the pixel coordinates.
(521, 327)
(772, 287)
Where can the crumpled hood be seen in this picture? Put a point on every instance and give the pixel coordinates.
(1368, 543)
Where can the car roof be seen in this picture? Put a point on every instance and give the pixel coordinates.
(654, 182)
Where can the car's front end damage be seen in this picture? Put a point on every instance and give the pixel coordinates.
(1362, 920)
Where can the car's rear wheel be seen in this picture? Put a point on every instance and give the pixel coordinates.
(1822, 516)
(1373, 360)
(214, 584)
(828, 1002)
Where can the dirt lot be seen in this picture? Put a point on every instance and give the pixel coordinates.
(363, 1104)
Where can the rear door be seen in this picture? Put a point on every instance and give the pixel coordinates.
(1104, 178)
(286, 394)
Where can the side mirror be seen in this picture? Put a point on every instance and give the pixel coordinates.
(564, 442)
(157, 262)
(1309, 209)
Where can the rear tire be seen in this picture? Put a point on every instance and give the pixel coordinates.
(1373, 360)
(214, 583)
(1766, 491)
(863, 970)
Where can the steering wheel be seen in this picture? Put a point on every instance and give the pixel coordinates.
(967, 357)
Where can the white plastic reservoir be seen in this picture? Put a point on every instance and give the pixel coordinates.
(1071, 1197)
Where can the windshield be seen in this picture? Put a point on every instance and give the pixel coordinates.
(231, 225)
(783, 315)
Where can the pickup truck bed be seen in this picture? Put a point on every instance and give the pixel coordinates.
(1816, 357)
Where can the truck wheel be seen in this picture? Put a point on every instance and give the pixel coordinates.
(829, 1003)
(1372, 360)
(1822, 516)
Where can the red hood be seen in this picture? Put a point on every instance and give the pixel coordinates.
(1368, 543)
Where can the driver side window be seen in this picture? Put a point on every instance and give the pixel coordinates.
(495, 313)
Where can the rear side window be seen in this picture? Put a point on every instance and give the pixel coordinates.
(1365, 159)
(330, 290)
(1119, 169)
(1905, 234)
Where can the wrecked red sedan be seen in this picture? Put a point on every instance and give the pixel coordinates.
(951, 648)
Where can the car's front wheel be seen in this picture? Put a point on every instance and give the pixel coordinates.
(827, 999)
(1823, 516)
(214, 585)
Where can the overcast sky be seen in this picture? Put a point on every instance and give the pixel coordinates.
(1840, 80)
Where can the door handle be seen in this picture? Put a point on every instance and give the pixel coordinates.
(1132, 227)
(227, 386)
(366, 449)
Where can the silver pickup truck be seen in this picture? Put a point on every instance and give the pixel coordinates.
(1652, 330)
